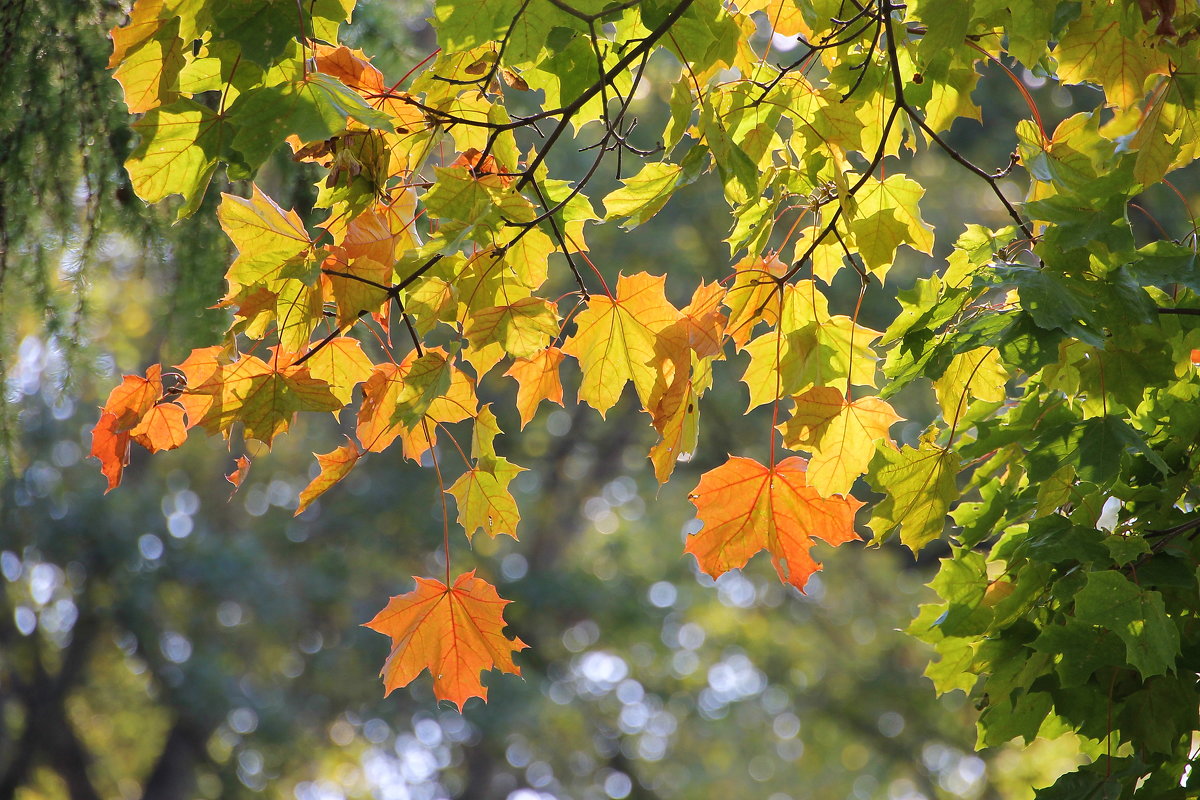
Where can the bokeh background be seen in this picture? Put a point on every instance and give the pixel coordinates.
(170, 640)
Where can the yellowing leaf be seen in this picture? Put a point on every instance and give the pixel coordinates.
(704, 320)
(178, 152)
(643, 194)
(146, 18)
(521, 327)
(807, 348)
(747, 507)
(271, 398)
(1097, 51)
(886, 217)
(266, 237)
(976, 374)
(343, 365)
(753, 297)
(617, 340)
(334, 466)
(455, 632)
(149, 69)
(784, 16)
(427, 378)
(298, 309)
(538, 378)
(484, 499)
(840, 435)
(359, 288)
(676, 417)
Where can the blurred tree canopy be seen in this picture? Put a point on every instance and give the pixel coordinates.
(176, 639)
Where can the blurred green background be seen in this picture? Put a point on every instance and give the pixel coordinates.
(171, 641)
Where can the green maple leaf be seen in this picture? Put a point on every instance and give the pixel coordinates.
(1137, 616)
(919, 484)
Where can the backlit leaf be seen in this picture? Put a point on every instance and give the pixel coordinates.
(617, 339)
(840, 434)
(456, 632)
(334, 466)
(919, 484)
(538, 378)
(746, 508)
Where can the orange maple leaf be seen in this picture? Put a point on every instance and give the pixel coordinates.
(240, 470)
(747, 507)
(111, 446)
(162, 428)
(351, 67)
(136, 395)
(538, 378)
(121, 417)
(456, 632)
(334, 466)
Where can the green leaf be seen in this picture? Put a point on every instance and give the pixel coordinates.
(178, 153)
(1110, 600)
(313, 108)
(643, 195)
(919, 485)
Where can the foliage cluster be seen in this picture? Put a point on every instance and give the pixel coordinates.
(1059, 347)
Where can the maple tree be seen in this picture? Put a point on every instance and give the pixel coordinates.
(1059, 345)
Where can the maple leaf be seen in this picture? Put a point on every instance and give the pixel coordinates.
(703, 320)
(357, 286)
(240, 470)
(747, 507)
(145, 21)
(676, 417)
(749, 298)
(342, 364)
(1097, 51)
(125, 417)
(484, 500)
(111, 447)
(388, 403)
(617, 340)
(162, 428)
(974, 375)
(133, 397)
(920, 485)
(538, 378)
(840, 434)
(263, 396)
(456, 632)
(148, 55)
(521, 327)
(802, 350)
(266, 237)
(334, 466)
(178, 152)
(270, 399)
(351, 67)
